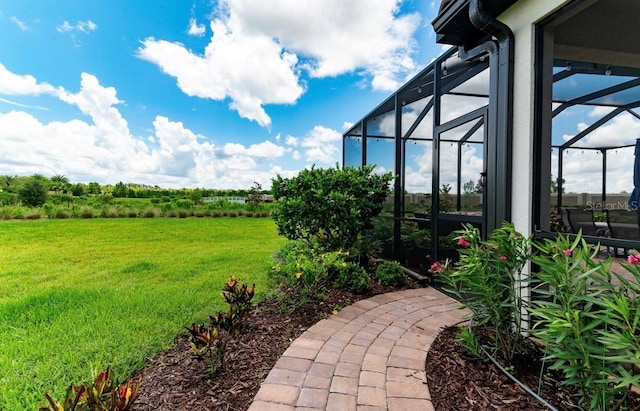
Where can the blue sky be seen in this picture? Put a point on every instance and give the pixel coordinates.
(220, 94)
(214, 94)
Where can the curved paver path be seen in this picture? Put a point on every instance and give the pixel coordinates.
(370, 356)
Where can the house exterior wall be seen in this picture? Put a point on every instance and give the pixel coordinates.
(521, 18)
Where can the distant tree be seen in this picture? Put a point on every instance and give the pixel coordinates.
(33, 193)
(93, 188)
(469, 187)
(120, 190)
(59, 183)
(8, 183)
(554, 185)
(255, 197)
(479, 188)
(196, 196)
(77, 190)
(131, 193)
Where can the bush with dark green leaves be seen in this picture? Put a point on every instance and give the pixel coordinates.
(329, 207)
(352, 277)
(33, 193)
(390, 273)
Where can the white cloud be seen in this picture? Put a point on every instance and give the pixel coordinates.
(370, 33)
(16, 84)
(196, 29)
(14, 103)
(82, 26)
(229, 69)
(258, 51)
(19, 23)
(291, 141)
(103, 149)
(322, 145)
(582, 169)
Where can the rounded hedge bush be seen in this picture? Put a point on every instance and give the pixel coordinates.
(390, 273)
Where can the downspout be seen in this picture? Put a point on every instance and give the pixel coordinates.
(503, 138)
(499, 164)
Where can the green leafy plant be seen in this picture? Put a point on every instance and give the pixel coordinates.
(486, 279)
(329, 207)
(103, 394)
(590, 324)
(309, 272)
(390, 273)
(352, 277)
(469, 340)
(255, 198)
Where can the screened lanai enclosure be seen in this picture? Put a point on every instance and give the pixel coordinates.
(432, 135)
(448, 135)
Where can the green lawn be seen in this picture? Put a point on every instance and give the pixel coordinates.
(78, 295)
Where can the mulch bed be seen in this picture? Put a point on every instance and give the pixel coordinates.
(459, 383)
(177, 380)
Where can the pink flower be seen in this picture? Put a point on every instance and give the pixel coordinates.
(463, 242)
(634, 259)
(567, 252)
(436, 268)
(503, 258)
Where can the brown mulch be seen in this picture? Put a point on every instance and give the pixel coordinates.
(457, 382)
(177, 380)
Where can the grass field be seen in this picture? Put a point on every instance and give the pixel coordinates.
(78, 295)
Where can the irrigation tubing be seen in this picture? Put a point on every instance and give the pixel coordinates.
(517, 381)
(514, 379)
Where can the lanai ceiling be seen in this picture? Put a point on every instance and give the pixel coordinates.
(605, 32)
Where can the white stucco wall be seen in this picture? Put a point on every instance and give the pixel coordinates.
(521, 18)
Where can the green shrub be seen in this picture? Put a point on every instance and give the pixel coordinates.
(149, 214)
(390, 273)
(184, 203)
(33, 216)
(61, 215)
(352, 277)
(183, 214)
(166, 207)
(590, 324)
(305, 269)
(487, 281)
(329, 207)
(33, 192)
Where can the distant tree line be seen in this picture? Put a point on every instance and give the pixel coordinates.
(37, 189)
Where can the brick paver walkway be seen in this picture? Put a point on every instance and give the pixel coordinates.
(369, 357)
